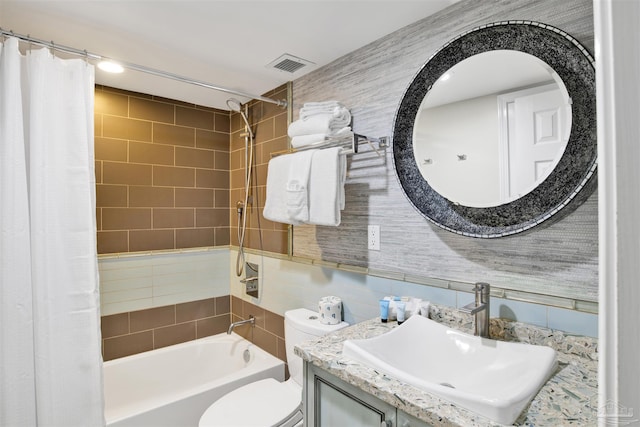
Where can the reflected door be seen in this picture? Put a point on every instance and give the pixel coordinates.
(538, 130)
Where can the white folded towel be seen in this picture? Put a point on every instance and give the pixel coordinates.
(306, 140)
(298, 185)
(326, 187)
(319, 138)
(275, 205)
(336, 110)
(323, 107)
(321, 123)
(321, 104)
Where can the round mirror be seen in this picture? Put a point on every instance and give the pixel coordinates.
(499, 130)
(496, 133)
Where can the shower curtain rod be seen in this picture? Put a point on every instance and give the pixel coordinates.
(136, 67)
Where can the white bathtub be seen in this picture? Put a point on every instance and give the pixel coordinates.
(173, 386)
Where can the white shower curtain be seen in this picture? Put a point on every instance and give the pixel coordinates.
(50, 362)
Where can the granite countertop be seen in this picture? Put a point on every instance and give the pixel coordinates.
(568, 398)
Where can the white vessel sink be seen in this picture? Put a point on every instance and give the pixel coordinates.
(492, 378)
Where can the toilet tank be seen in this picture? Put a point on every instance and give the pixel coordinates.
(302, 325)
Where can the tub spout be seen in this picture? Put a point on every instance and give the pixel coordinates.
(251, 320)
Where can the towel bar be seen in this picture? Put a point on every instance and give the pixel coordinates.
(350, 143)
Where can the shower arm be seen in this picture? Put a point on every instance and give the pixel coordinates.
(141, 68)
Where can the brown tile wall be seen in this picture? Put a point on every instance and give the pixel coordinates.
(134, 332)
(168, 176)
(269, 123)
(268, 332)
(130, 333)
(162, 173)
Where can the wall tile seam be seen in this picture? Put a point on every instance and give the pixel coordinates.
(138, 119)
(120, 255)
(128, 162)
(269, 332)
(165, 326)
(167, 101)
(161, 186)
(264, 141)
(271, 118)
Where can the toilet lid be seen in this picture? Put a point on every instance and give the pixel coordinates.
(263, 403)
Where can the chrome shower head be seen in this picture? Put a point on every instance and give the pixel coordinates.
(234, 105)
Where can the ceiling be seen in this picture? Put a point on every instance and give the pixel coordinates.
(223, 43)
(517, 71)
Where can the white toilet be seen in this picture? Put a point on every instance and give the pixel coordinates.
(270, 403)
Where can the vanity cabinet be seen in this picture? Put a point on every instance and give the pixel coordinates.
(330, 402)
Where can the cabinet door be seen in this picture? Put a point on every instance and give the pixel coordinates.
(331, 402)
(335, 407)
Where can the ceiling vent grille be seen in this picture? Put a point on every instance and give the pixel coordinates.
(289, 63)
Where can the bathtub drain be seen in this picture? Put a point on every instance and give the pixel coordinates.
(246, 355)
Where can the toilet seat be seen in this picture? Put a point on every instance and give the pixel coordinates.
(264, 403)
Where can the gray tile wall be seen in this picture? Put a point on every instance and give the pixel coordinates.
(559, 259)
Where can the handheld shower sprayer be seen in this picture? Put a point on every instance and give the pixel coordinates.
(236, 106)
(242, 205)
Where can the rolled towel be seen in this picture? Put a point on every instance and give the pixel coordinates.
(325, 106)
(342, 115)
(321, 104)
(336, 110)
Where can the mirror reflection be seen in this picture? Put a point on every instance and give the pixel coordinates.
(492, 128)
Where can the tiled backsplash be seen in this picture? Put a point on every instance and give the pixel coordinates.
(288, 285)
(134, 332)
(162, 173)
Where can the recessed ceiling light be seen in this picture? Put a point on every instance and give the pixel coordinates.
(110, 67)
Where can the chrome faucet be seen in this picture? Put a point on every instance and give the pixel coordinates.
(481, 309)
(251, 320)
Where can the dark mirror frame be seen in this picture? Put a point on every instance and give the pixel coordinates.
(573, 178)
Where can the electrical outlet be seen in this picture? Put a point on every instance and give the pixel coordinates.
(373, 237)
